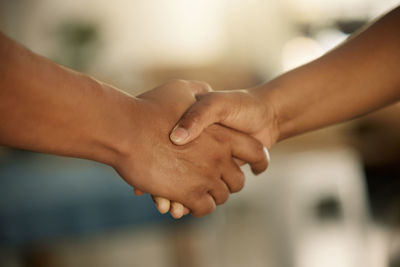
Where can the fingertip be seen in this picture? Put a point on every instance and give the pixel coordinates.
(179, 135)
(186, 211)
(256, 170)
(137, 192)
(162, 204)
(176, 215)
(261, 165)
(177, 210)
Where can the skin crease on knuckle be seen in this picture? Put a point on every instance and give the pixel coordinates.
(211, 167)
(191, 118)
(220, 197)
(224, 196)
(224, 161)
(205, 210)
(258, 150)
(239, 177)
(221, 135)
(200, 200)
(220, 191)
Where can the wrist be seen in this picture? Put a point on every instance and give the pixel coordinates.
(271, 133)
(114, 124)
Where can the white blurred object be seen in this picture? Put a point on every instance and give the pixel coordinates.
(286, 198)
(301, 50)
(330, 38)
(317, 11)
(298, 51)
(167, 32)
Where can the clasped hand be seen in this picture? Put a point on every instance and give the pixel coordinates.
(197, 175)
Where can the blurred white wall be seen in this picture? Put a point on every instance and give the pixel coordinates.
(144, 34)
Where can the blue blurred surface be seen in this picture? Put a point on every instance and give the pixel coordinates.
(44, 197)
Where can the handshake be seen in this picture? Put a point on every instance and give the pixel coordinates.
(181, 142)
(187, 144)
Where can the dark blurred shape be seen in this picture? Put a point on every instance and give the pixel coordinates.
(377, 137)
(328, 209)
(78, 43)
(350, 26)
(383, 184)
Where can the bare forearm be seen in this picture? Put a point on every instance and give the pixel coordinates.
(45, 107)
(360, 76)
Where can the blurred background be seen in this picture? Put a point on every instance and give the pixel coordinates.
(329, 198)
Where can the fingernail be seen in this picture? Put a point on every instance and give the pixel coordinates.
(176, 215)
(163, 206)
(267, 154)
(179, 134)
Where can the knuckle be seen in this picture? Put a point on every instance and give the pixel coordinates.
(239, 182)
(259, 167)
(176, 82)
(205, 85)
(200, 191)
(192, 117)
(224, 197)
(204, 210)
(219, 135)
(258, 150)
(209, 175)
(209, 209)
(217, 160)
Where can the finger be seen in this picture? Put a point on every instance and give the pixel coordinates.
(259, 167)
(220, 192)
(199, 116)
(248, 149)
(138, 192)
(199, 88)
(233, 177)
(177, 210)
(186, 211)
(203, 205)
(239, 162)
(163, 205)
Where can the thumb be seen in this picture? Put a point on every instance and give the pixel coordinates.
(199, 116)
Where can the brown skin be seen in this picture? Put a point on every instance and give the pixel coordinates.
(209, 156)
(176, 209)
(358, 77)
(47, 108)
